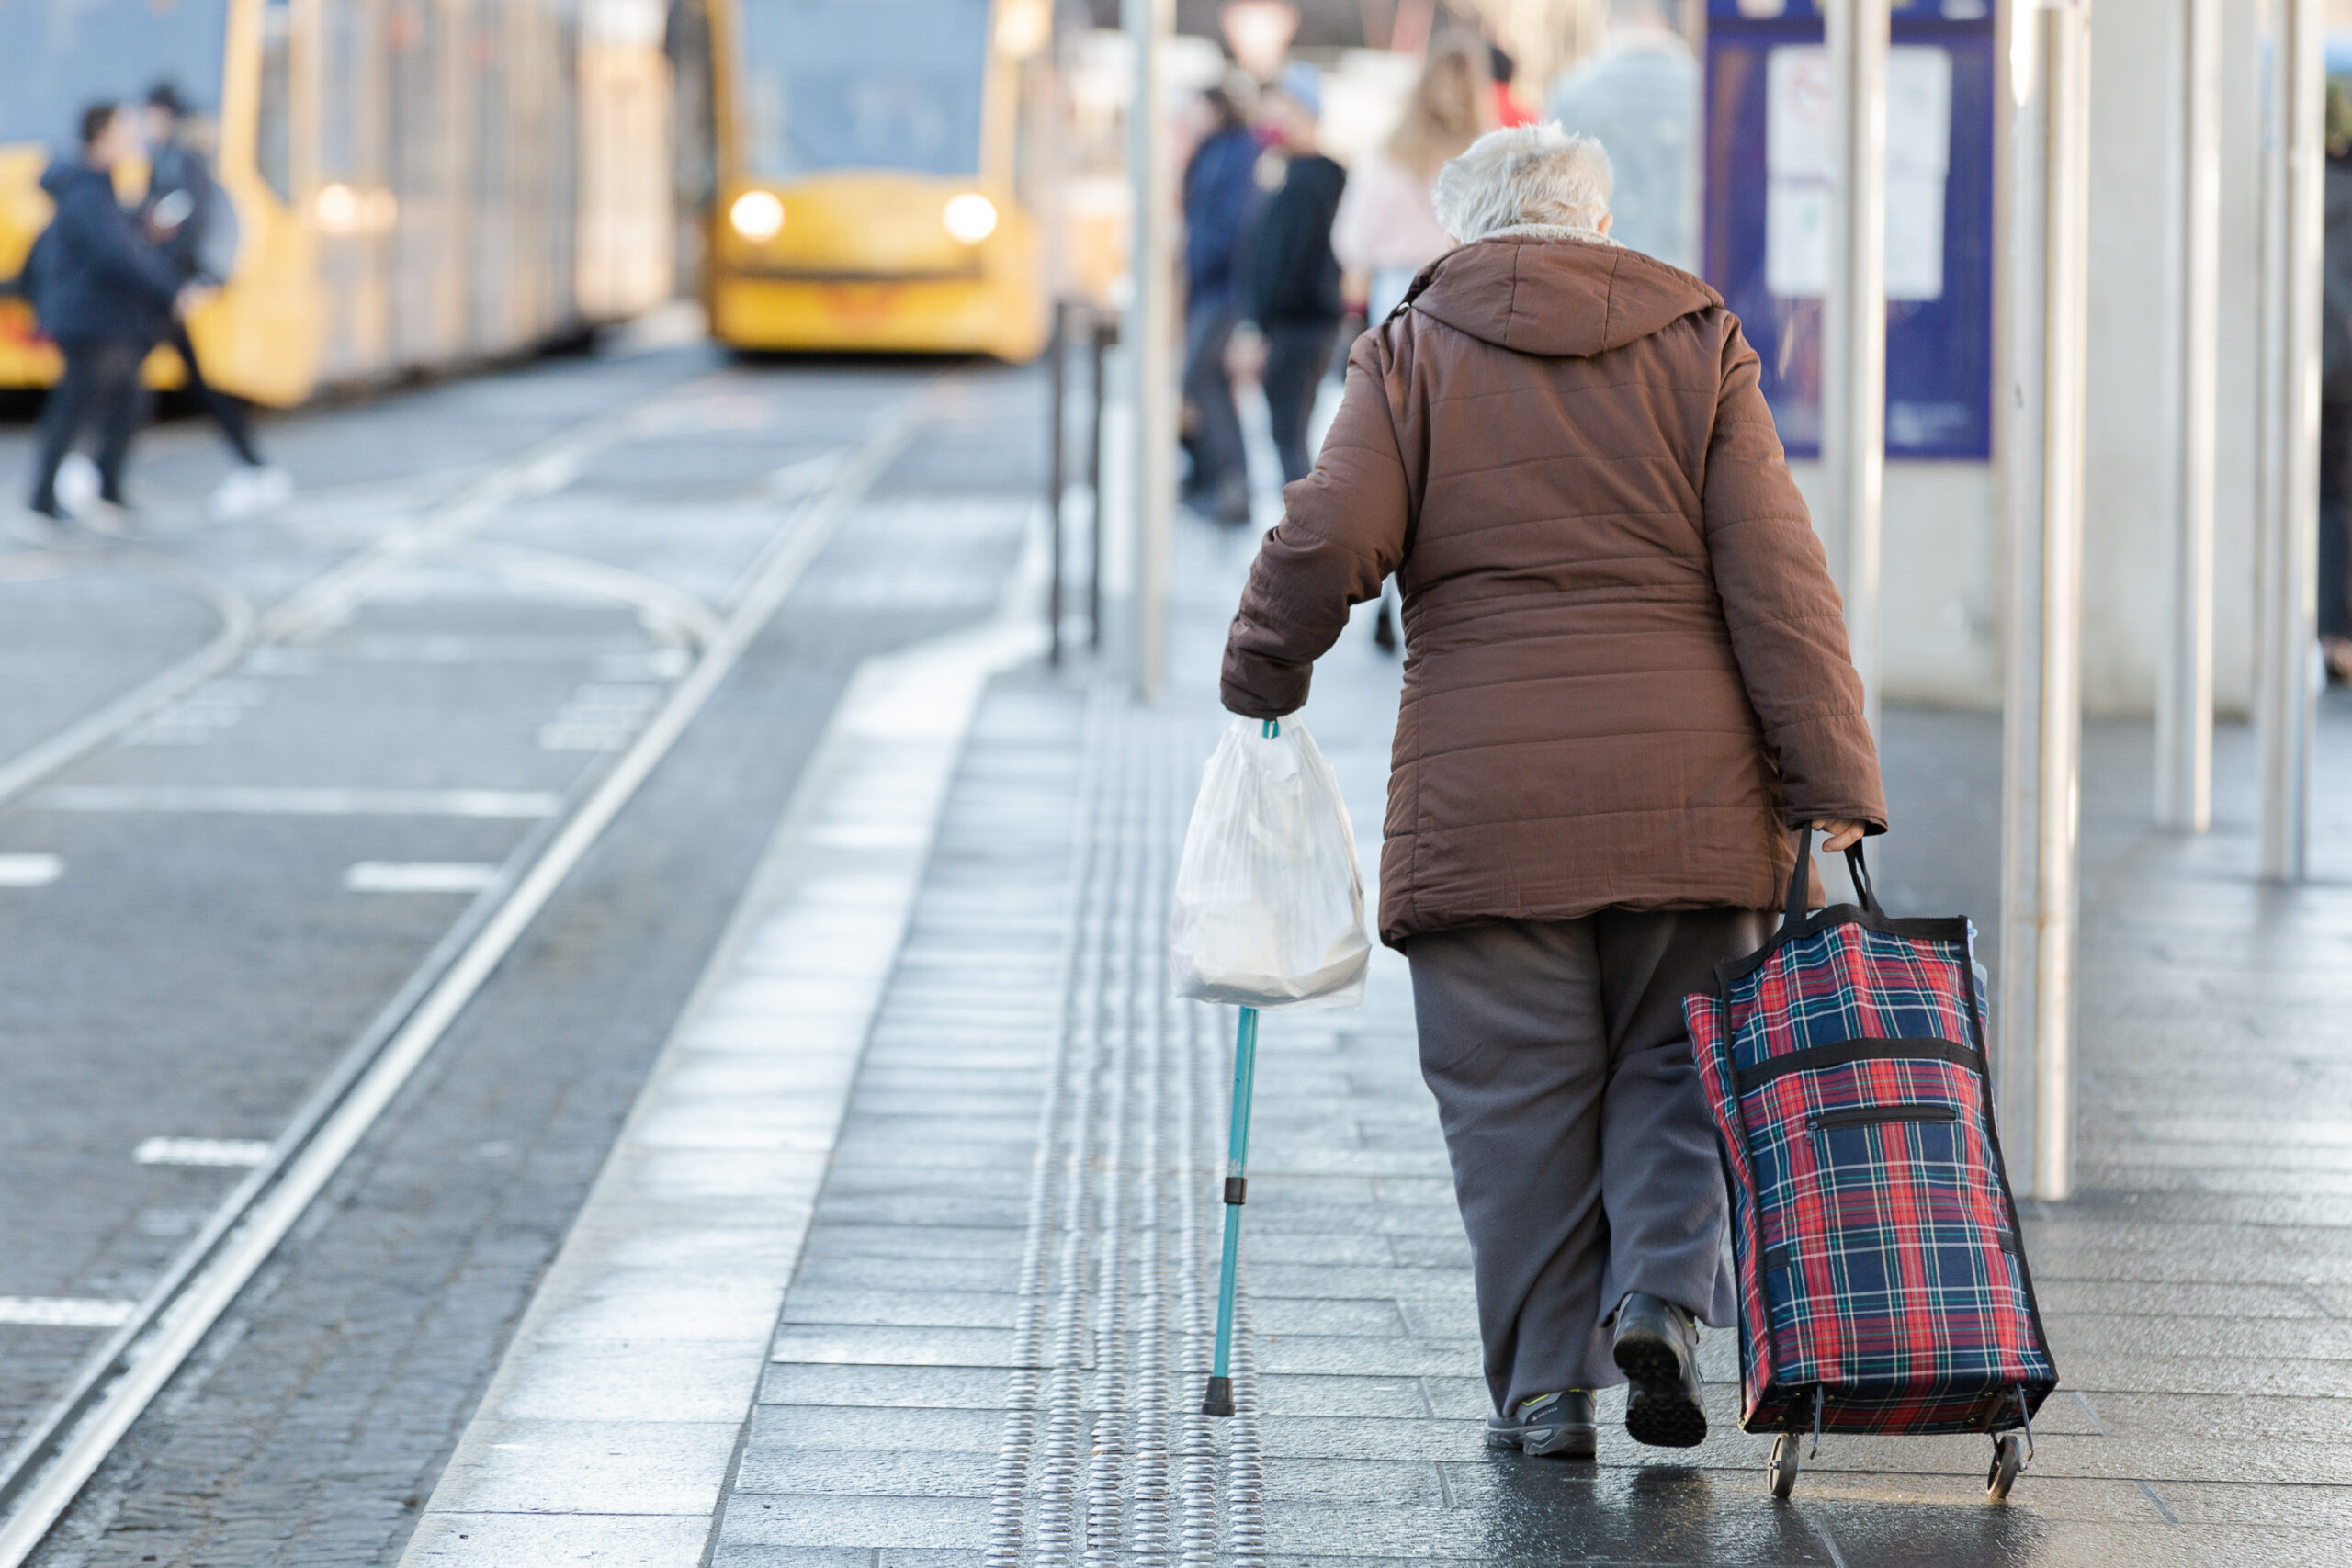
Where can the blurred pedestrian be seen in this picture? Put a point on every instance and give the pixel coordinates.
(2335, 399)
(107, 297)
(1291, 279)
(1639, 98)
(1508, 110)
(1386, 227)
(191, 220)
(1220, 197)
(1611, 728)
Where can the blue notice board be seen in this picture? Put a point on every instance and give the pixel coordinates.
(1765, 242)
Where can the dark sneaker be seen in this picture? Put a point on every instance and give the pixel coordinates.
(1657, 1349)
(1555, 1425)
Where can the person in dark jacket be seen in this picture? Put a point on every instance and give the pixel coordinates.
(1291, 279)
(189, 218)
(107, 297)
(1220, 195)
(1626, 682)
(2335, 399)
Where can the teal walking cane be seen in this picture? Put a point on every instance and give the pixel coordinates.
(1218, 1400)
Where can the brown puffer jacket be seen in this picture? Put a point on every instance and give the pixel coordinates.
(1628, 673)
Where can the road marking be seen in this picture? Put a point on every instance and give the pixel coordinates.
(217, 1154)
(600, 716)
(419, 876)
(806, 475)
(65, 1312)
(661, 609)
(190, 721)
(294, 801)
(29, 870)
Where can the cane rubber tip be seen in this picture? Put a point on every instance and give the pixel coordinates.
(1218, 1400)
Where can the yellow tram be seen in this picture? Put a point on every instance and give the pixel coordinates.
(417, 181)
(868, 161)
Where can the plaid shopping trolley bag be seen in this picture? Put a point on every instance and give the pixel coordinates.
(1882, 1285)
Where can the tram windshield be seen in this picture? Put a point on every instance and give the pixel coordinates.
(59, 56)
(844, 85)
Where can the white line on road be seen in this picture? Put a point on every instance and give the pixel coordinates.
(419, 876)
(296, 801)
(217, 1154)
(65, 1312)
(29, 870)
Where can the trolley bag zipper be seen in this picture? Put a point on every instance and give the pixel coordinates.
(1874, 1115)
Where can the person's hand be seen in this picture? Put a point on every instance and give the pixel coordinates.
(1245, 354)
(1843, 835)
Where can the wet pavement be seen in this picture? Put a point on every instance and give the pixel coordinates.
(991, 1348)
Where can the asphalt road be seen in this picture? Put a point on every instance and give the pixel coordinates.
(208, 908)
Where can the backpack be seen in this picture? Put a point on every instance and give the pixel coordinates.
(31, 279)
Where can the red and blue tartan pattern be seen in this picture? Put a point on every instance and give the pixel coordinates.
(1877, 1253)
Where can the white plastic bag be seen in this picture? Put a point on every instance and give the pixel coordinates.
(1269, 908)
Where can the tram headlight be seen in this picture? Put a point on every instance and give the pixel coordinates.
(757, 215)
(970, 217)
(337, 206)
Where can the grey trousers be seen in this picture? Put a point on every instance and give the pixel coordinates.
(1584, 1159)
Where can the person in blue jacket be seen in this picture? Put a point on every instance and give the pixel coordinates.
(1220, 199)
(107, 297)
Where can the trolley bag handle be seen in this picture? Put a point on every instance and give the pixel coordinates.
(1801, 881)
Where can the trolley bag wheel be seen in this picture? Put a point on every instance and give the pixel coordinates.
(1781, 1476)
(2009, 1458)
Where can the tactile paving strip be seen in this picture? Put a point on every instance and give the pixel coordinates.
(1105, 1457)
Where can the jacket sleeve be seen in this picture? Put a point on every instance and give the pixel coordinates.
(1788, 630)
(1343, 532)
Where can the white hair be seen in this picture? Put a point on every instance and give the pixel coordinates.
(1527, 176)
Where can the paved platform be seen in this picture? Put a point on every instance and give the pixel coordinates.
(991, 1345)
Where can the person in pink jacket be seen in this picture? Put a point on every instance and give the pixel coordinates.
(1386, 227)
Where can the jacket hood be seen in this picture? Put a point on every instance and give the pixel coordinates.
(1556, 292)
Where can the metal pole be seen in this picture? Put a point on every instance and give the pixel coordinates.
(2048, 306)
(2021, 170)
(1855, 387)
(2185, 706)
(1103, 334)
(1149, 334)
(2294, 237)
(1057, 356)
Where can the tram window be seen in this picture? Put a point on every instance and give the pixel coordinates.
(58, 55)
(274, 133)
(863, 84)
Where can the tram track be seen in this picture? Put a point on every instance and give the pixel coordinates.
(311, 609)
(61, 1448)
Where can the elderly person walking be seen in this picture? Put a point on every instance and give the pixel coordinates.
(1627, 683)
